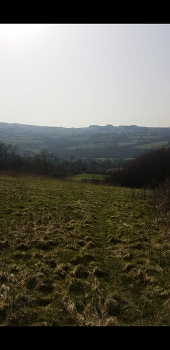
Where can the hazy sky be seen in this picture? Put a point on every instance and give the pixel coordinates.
(75, 75)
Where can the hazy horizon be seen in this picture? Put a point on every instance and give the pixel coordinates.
(76, 75)
(79, 127)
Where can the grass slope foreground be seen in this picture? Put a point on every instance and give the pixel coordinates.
(78, 254)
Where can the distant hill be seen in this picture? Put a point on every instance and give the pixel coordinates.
(95, 141)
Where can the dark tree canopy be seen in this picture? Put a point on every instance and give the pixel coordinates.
(147, 170)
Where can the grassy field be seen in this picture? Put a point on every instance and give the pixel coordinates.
(77, 254)
(153, 145)
(88, 146)
(88, 176)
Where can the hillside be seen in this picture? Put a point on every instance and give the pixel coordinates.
(99, 142)
(76, 254)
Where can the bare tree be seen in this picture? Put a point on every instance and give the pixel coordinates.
(47, 161)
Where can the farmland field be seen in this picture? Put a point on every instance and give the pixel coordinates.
(153, 145)
(101, 142)
(78, 254)
(88, 176)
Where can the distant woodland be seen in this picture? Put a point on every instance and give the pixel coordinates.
(115, 142)
(129, 155)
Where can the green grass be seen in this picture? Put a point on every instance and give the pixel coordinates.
(87, 146)
(88, 176)
(150, 137)
(101, 159)
(75, 254)
(127, 143)
(33, 149)
(153, 144)
(18, 139)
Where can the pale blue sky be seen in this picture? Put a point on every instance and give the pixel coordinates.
(75, 75)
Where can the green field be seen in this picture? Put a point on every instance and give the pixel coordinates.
(87, 146)
(101, 142)
(153, 145)
(88, 176)
(77, 254)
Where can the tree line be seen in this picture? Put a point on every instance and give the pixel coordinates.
(47, 163)
(148, 170)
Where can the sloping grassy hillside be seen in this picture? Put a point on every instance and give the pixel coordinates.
(77, 254)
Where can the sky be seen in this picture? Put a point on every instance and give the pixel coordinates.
(76, 75)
